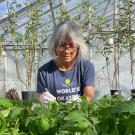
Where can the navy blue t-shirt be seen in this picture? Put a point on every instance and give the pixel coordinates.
(64, 84)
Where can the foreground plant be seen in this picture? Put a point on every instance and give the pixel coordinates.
(108, 115)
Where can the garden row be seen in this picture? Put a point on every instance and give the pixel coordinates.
(105, 116)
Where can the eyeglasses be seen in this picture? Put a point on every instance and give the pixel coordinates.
(63, 47)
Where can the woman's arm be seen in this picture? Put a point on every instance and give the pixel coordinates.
(89, 92)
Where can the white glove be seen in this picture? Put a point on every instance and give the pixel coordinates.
(74, 98)
(46, 97)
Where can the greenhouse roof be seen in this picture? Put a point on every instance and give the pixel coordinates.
(49, 15)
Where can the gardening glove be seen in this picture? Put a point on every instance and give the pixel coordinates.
(46, 97)
(74, 98)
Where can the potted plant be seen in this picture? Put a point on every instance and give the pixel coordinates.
(29, 45)
(121, 35)
(109, 51)
(126, 35)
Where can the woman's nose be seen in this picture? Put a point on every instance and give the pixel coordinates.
(67, 49)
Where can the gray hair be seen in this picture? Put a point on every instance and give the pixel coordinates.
(73, 30)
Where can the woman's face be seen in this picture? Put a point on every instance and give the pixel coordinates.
(67, 50)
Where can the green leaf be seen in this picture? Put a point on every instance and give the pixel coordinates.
(6, 112)
(2, 123)
(127, 107)
(5, 103)
(31, 125)
(75, 115)
(63, 132)
(53, 106)
(94, 120)
(89, 131)
(130, 125)
(52, 122)
(43, 124)
(16, 112)
(76, 121)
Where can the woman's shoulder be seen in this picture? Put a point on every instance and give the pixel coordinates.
(86, 66)
(47, 66)
(84, 62)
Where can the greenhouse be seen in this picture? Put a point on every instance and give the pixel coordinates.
(26, 30)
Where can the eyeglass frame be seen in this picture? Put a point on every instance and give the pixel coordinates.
(63, 47)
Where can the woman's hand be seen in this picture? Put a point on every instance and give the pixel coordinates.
(46, 97)
(89, 92)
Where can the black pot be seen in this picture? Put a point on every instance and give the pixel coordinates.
(29, 95)
(133, 93)
(115, 92)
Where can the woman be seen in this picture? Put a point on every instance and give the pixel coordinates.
(70, 72)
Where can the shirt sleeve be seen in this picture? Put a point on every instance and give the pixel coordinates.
(89, 74)
(41, 83)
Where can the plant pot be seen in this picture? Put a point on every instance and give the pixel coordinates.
(115, 92)
(29, 95)
(133, 93)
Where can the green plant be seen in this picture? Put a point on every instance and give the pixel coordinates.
(127, 38)
(2, 43)
(107, 115)
(105, 48)
(30, 42)
(120, 29)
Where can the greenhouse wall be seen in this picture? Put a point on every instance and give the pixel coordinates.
(8, 78)
(2, 76)
(109, 8)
